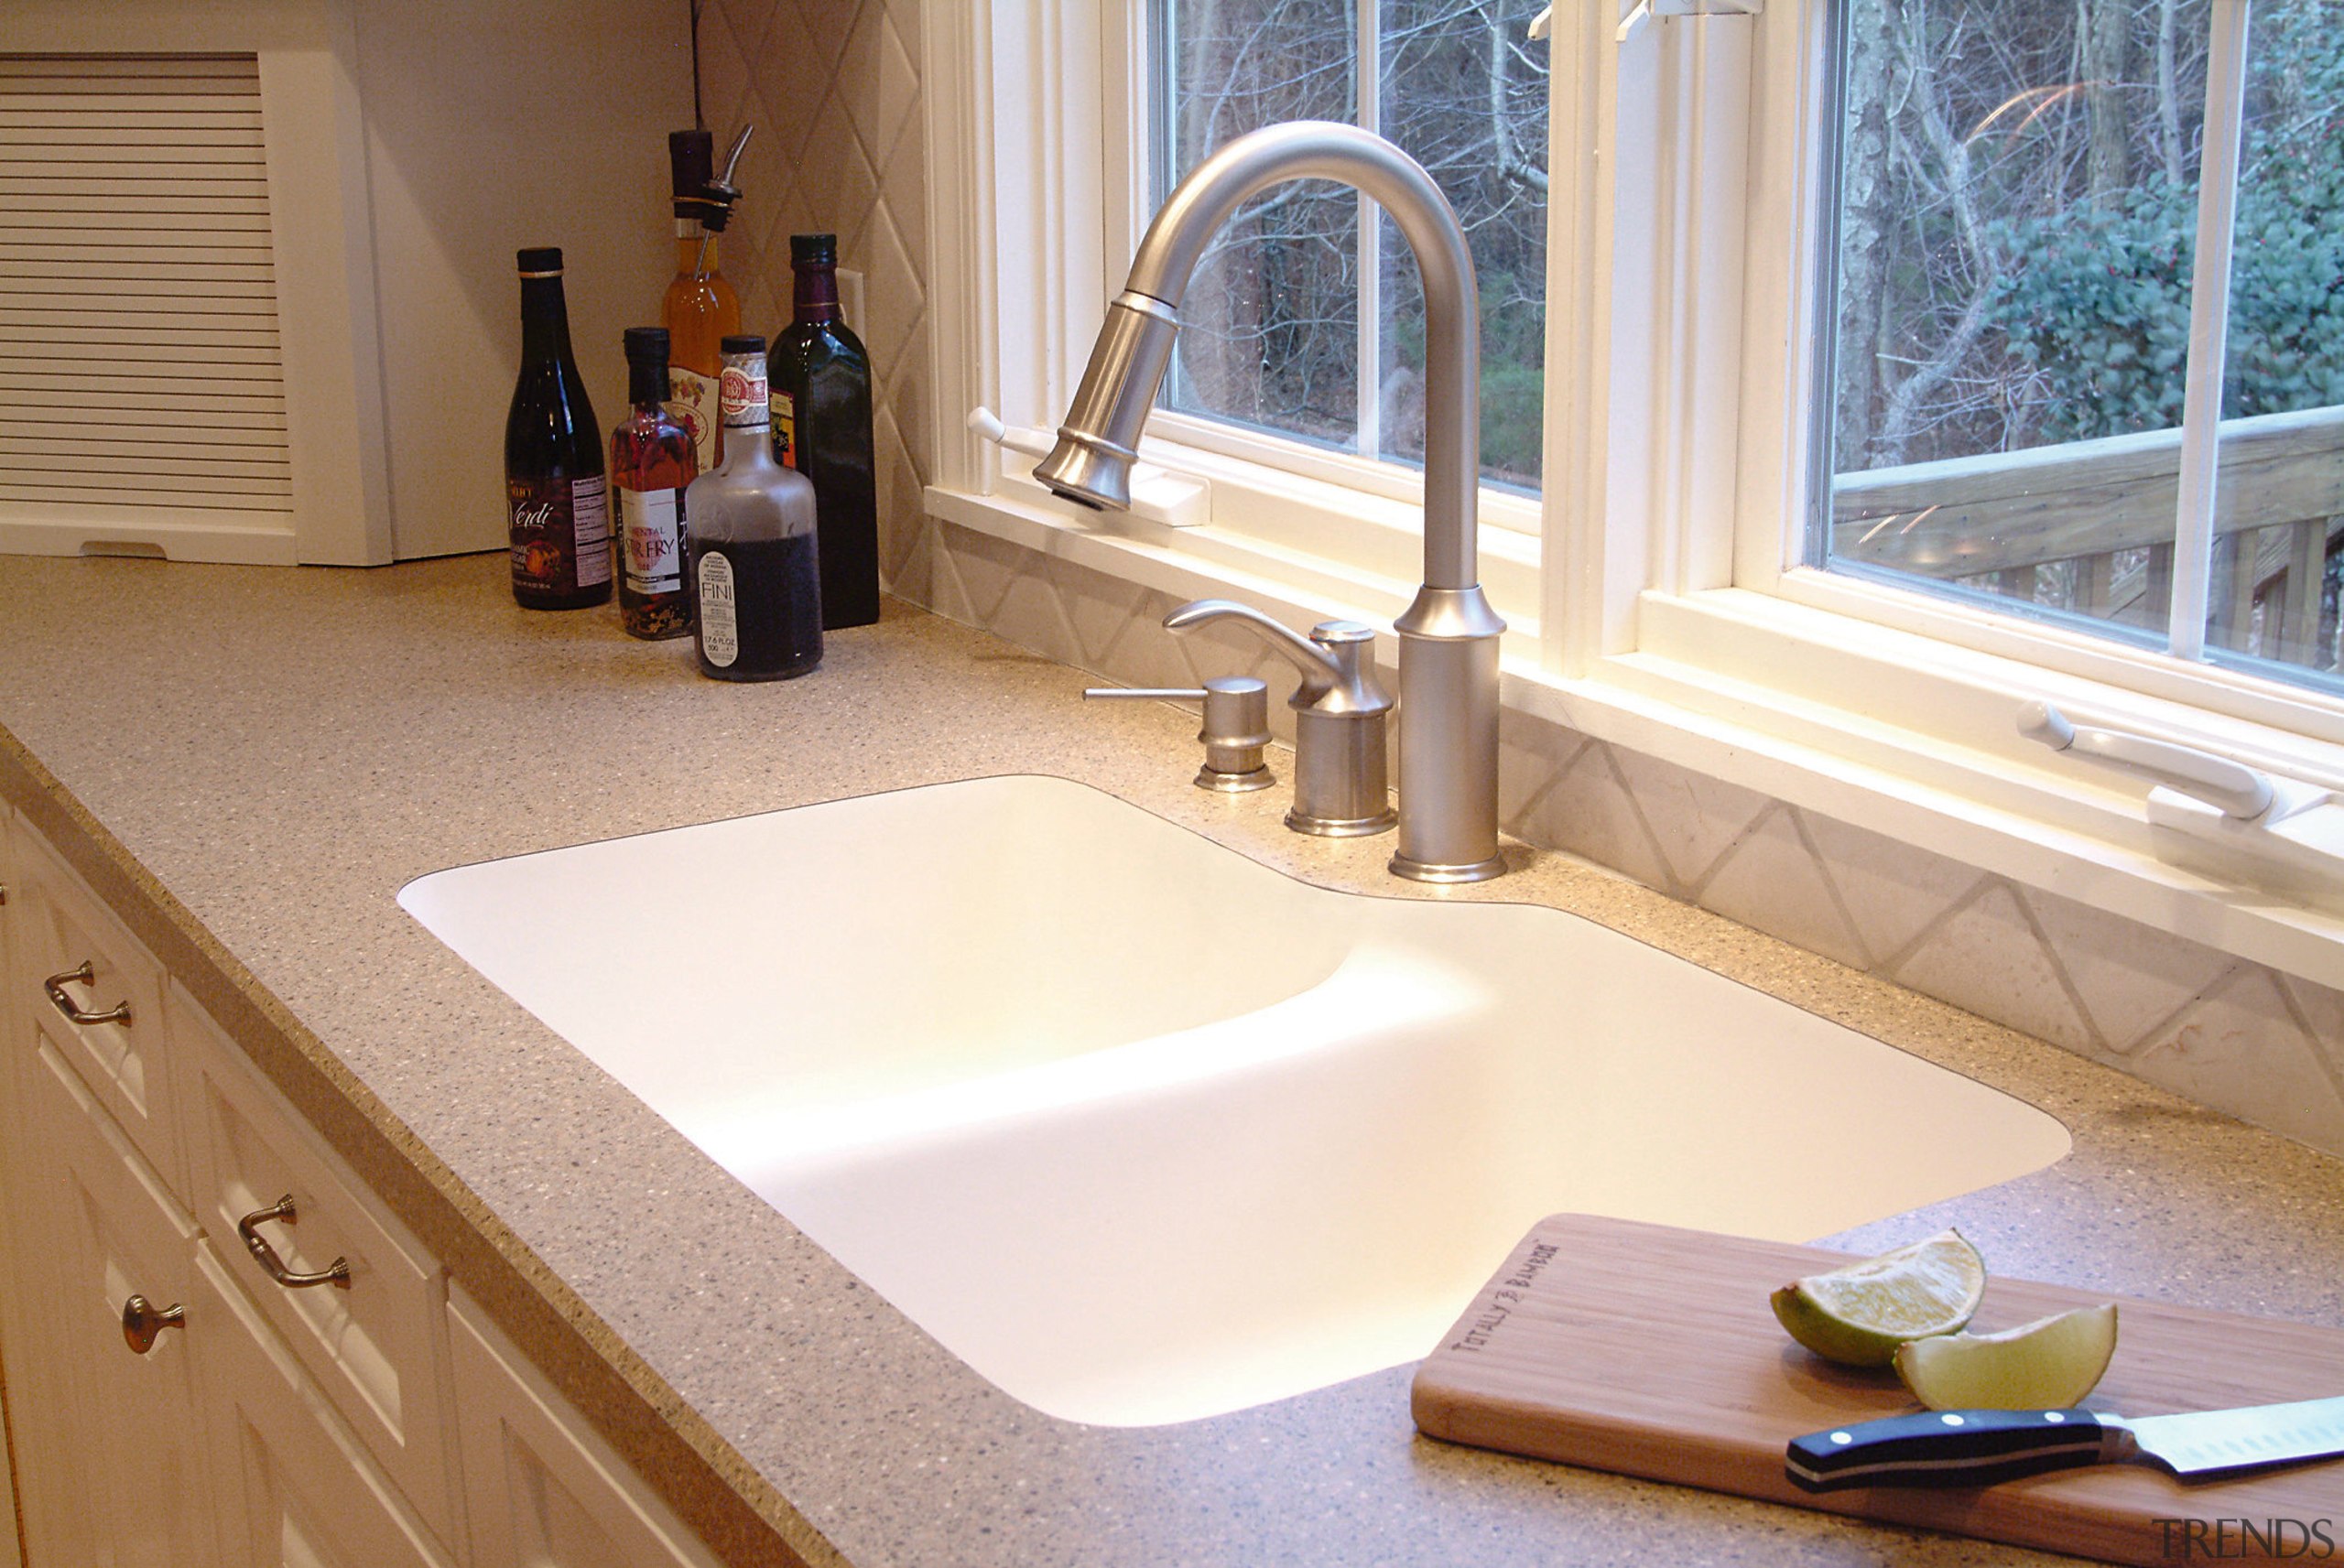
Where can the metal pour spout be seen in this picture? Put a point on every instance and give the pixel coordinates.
(1448, 636)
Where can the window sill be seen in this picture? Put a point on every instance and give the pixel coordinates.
(1809, 715)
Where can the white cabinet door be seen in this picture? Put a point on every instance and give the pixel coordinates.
(9, 1550)
(296, 1491)
(11, 1021)
(542, 1489)
(113, 1475)
(376, 1349)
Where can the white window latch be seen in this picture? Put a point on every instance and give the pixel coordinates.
(1644, 10)
(1158, 494)
(2215, 816)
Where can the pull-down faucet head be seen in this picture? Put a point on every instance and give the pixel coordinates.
(1449, 637)
(1100, 440)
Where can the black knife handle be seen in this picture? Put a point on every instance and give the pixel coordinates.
(1946, 1448)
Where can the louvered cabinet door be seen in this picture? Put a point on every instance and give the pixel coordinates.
(141, 372)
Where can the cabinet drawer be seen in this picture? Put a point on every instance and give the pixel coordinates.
(542, 1490)
(61, 928)
(296, 1490)
(375, 1346)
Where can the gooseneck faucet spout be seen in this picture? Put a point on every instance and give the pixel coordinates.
(1448, 636)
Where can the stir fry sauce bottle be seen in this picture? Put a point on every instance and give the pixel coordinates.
(652, 461)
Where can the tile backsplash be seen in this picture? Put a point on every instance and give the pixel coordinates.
(837, 84)
(833, 89)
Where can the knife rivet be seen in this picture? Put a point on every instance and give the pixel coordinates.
(1841, 1437)
(1951, 1420)
(2053, 1417)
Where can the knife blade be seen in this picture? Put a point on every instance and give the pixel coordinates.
(1978, 1448)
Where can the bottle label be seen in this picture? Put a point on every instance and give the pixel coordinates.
(590, 511)
(720, 628)
(784, 409)
(652, 522)
(742, 391)
(561, 533)
(691, 402)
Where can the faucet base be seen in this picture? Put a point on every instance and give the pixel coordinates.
(1342, 828)
(1420, 871)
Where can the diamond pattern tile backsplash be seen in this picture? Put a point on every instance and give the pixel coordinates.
(833, 89)
(833, 86)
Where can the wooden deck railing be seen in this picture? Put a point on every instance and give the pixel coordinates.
(2088, 527)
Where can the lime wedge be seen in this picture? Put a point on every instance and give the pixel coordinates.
(2047, 1365)
(1859, 1315)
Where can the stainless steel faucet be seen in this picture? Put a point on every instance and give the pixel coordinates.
(1339, 713)
(1448, 636)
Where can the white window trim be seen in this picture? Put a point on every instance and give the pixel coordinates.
(1675, 376)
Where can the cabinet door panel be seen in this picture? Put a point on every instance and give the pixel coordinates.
(295, 1489)
(541, 1491)
(11, 1022)
(111, 1474)
(376, 1348)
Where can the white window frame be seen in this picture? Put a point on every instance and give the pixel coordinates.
(1661, 606)
(1051, 193)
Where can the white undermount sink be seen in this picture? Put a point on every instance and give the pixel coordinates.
(1144, 1131)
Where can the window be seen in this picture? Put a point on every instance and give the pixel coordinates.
(2032, 404)
(1730, 562)
(1305, 319)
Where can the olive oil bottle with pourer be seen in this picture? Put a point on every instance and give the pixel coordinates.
(700, 309)
(821, 427)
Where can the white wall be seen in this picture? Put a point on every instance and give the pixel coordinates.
(492, 125)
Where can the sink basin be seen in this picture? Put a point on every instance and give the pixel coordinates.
(1144, 1131)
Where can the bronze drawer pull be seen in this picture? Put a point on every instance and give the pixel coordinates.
(336, 1273)
(75, 1013)
(143, 1321)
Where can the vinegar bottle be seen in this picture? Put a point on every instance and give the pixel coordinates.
(753, 559)
(700, 309)
(651, 463)
(556, 509)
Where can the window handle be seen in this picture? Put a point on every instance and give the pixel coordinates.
(2232, 788)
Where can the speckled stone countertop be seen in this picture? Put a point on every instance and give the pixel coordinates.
(250, 763)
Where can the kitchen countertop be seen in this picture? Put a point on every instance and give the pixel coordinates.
(250, 762)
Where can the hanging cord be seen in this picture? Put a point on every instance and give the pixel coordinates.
(699, 121)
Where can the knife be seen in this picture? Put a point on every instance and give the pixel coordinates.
(1978, 1448)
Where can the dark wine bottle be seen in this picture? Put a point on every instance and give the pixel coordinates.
(557, 502)
(821, 427)
(755, 568)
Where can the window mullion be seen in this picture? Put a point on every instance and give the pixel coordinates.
(2210, 291)
(1368, 21)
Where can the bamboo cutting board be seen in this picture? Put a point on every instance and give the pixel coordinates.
(1652, 1351)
